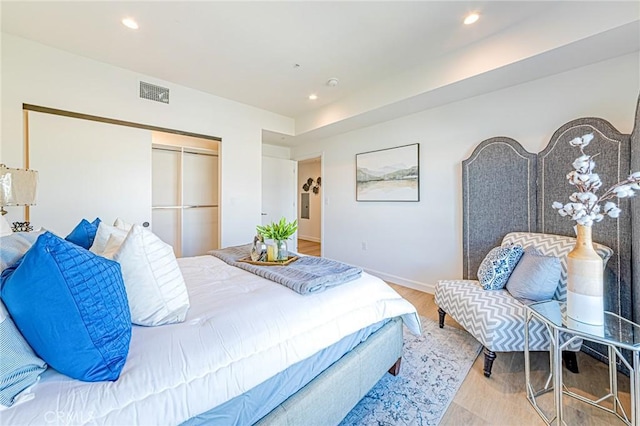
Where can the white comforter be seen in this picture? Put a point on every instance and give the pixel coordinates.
(240, 330)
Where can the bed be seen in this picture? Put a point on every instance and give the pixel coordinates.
(249, 351)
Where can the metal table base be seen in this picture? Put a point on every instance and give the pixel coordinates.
(548, 313)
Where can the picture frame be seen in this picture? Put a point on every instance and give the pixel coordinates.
(391, 174)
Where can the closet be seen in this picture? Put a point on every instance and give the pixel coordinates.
(92, 167)
(185, 182)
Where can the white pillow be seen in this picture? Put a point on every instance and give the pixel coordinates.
(102, 237)
(121, 224)
(5, 228)
(113, 245)
(155, 287)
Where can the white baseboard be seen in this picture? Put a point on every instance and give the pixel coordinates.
(427, 288)
(312, 239)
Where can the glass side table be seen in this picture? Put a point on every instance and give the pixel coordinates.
(617, 333)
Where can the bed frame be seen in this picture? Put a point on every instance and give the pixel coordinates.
(329, 397)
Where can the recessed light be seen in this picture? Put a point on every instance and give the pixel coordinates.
(313, 96)
(471, 18)
(130, 23)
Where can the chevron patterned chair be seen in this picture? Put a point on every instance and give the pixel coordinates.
(495, 318)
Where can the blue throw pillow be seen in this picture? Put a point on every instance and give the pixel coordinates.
(71, 307)
(536, 277)
(84, 233)
(497, 266)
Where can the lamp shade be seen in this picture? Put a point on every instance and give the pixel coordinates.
(17, 186)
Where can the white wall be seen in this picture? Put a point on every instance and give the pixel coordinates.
(309, 229)
(415, 244)
(36, 74)
(276, 151)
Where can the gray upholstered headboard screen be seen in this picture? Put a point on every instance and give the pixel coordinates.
(613, 161)
(494, 203)
(635, 219)
(500, 176)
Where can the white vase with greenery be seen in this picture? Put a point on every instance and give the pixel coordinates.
(585, 289)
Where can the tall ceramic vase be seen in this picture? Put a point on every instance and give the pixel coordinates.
(585, 281)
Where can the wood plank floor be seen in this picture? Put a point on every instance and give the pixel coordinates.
(309, 247)
(501, 399)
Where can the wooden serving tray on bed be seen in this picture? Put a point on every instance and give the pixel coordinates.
(285, 263)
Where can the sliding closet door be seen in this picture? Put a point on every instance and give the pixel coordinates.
(200, 197)
(185, 198)
(167, 211)
(88, 169)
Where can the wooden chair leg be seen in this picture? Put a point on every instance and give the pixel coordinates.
(441, 315)
(570, 361)
(489, 357)
(395, 368)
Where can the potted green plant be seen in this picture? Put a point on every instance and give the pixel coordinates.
(279, 232)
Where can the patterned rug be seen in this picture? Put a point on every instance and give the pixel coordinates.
(434, 366)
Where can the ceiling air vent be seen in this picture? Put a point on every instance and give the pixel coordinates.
(154, 93)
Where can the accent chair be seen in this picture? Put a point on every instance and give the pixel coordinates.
(496, 318)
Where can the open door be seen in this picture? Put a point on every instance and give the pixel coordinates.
(310, 208)
(279, 196)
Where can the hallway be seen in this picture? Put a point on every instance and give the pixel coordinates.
(309, 247)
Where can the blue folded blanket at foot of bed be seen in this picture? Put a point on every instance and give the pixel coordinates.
(308, 274)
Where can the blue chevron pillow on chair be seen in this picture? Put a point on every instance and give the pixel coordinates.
(497, 266)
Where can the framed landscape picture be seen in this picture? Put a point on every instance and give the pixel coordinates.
(391, 174)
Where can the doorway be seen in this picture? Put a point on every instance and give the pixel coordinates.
(310, 198)
(279, 178)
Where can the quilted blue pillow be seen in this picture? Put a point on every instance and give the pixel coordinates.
(71, 307)
(498, 265)
(84, 233)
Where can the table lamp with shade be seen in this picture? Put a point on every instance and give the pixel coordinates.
(18, 187)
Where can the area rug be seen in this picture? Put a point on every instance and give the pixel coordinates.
(434, 366)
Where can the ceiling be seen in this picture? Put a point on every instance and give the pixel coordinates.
(273, 55)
